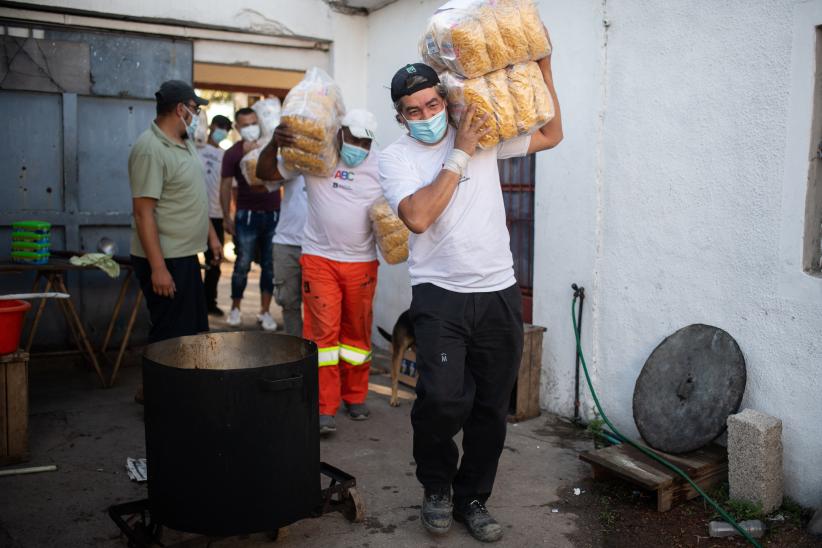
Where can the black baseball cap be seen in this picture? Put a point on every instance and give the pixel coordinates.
(177, 91)
(412, 78)
(221, 121)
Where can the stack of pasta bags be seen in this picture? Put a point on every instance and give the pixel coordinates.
(485, 52)
(312, 111)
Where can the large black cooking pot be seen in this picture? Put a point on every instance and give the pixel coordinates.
(231, 432)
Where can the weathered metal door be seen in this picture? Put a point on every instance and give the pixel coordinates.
(517, 176)
(72, 103)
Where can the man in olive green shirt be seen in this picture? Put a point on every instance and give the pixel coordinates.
(171, 215)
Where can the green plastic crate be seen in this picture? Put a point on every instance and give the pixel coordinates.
(39, 227)
(29, 257)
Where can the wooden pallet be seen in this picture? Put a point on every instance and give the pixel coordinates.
(707, 467)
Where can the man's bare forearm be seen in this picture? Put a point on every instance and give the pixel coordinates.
(267, 163)
(551, 133)
(422, 209)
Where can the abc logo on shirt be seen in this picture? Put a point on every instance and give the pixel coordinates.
(344, 175)
(341, 178)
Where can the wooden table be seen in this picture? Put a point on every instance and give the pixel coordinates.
(51, 277)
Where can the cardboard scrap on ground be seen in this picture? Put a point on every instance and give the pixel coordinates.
(137, 469)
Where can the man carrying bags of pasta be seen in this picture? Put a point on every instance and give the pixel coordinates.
(335, 152)
(443, 182)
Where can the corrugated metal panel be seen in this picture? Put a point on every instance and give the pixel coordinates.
(103, 148)
(74, 149)
(131, 66)
(32, 151)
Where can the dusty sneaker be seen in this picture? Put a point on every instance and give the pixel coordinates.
(358, 411)
(479, 522)
(436, 512)
(328, 425)
(234, 318)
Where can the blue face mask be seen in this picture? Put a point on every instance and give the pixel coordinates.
(352, 155)
(219, 134)
(429, 131)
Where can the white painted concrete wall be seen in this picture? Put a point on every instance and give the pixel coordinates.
(687, 200)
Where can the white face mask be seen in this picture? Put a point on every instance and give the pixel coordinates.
(191, 128)
(250, 133)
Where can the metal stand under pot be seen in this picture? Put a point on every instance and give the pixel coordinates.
(232, 439)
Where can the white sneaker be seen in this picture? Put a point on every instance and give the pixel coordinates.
(267, 321)
(234, 318)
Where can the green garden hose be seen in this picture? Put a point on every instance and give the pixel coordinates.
(645, 450)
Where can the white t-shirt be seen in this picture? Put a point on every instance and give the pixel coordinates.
(337, 226)
(212, 158)
(291, 225)
(467, 249)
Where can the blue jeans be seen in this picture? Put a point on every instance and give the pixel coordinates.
(253, 231)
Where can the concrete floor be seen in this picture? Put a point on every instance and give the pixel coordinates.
(88, 433)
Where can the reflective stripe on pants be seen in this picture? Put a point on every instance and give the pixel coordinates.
(328, 356)
(354, 356)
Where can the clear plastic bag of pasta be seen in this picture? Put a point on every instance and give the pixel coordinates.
(476, 37)
(390, 232)
(248, 167)
(321, 164)
(312, 111)
(313, 107)
(456, 39)
(516, 100)
(533, 104)
(463, 92)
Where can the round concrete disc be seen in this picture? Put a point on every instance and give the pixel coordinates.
(689, 386)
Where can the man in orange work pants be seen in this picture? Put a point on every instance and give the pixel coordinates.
(339, 262)
(338, 315)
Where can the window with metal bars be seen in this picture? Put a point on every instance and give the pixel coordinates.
(517, 176)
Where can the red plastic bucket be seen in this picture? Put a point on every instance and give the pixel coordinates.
(11, 324)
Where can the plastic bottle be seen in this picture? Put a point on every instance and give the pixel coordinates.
(754, 527)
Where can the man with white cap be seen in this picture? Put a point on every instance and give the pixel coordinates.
(339, 262)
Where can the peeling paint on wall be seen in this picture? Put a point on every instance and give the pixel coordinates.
(255, 21)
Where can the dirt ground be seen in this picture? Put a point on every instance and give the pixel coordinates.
(88, 433)
(620, 516)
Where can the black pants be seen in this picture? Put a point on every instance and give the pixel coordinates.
(469, 347)
(185, 313)
(212, 273)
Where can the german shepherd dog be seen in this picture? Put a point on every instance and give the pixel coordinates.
(401, 339)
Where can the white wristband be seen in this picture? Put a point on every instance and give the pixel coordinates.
(457, 161)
